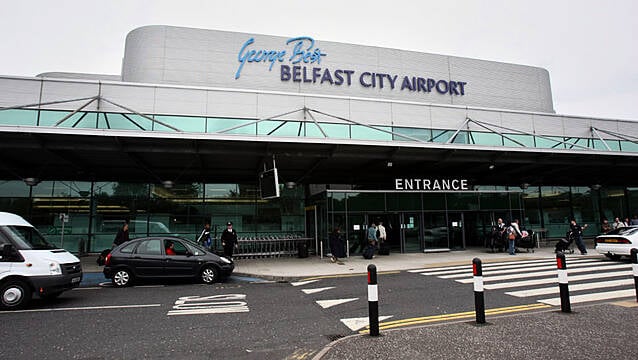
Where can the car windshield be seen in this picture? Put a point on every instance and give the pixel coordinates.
(27, 238)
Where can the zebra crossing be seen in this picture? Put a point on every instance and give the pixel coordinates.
(590, 279)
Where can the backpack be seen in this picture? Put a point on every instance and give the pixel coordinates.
(511, 233)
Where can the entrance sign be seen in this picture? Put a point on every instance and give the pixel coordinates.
(431, 184)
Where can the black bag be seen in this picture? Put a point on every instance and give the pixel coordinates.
(368, 253)
(102, 257)
(384, 249)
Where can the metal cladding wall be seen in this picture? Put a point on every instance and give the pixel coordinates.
(210, 58)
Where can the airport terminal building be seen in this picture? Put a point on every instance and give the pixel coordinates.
(438, 147)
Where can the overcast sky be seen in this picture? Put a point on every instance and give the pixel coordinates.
(588, 46)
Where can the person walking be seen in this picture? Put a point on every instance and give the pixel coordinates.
(513, 233)
(204, 237)
(368, 253)
(229, 240)
(336, 244)
(122, 235)
(577, 233)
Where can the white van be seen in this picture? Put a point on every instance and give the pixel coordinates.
(29, 264)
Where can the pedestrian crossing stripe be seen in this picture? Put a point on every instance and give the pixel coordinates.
(488, 265)
(592, 297)
(554, 280)
(456, 316)
(494, 269)
(572, 288)
(544, 273)
(511, 270)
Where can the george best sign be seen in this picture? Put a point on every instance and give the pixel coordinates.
(299, 61)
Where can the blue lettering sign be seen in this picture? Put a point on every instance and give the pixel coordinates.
(303, 51)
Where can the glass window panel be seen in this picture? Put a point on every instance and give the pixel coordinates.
(217, 124)
(629, 146)
(188, 191)
(13, 188)
(494, 201)
(365, 133)
(19, 117)
(517, 139)
(280, 128)
(124, 122)
(461, 138)
(421, 134)
(217, 191)
(556, 210)
(434, 201)
(462, 201)
(184, 123)
(404, 201)
(336, 131)
(337, 201)
(50, 118)
(614, 145)
(576, 143)
(441, 136)
(366, 202)
(485, 138)
(550, 142)
(583, 210)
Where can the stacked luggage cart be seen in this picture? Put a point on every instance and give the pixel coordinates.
(268, 246)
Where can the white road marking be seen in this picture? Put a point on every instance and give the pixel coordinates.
(487, 265)
(554, 280)
(572, 287)
(82, 308)
(592, 297)
(545, 273)
(511, 270)
(517, 265)
(300, 283)
(359, 323)
(213, 304)
(314, 291)
(330, 303)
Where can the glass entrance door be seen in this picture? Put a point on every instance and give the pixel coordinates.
(455, 227)
(411, 228)
(435, 231)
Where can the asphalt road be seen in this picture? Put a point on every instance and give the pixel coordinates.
(244, 319)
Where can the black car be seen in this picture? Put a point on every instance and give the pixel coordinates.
(164, 257)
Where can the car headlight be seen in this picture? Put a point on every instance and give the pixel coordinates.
(225, 260)
(55, 269)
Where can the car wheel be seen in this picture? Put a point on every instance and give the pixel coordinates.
(16, 294)
(209, 274)
(613, 257)
(122, 277)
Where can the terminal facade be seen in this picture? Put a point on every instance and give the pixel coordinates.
(438, 147)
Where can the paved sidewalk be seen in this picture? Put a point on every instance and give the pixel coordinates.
(602, 331)
(286, 268)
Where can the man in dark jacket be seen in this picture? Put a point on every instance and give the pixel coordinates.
(229, 240)
(577, 233)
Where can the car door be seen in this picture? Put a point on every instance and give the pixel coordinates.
(148, 259)
(182, 263)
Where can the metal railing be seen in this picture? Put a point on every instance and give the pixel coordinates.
(264, 246)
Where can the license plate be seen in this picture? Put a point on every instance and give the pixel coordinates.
(75, 280)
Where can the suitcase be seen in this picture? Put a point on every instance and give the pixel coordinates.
(384, 249)
(368, 253)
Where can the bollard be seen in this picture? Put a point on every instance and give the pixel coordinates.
(373, 300)
(479, 299)
(565, 306)
(634, 267)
